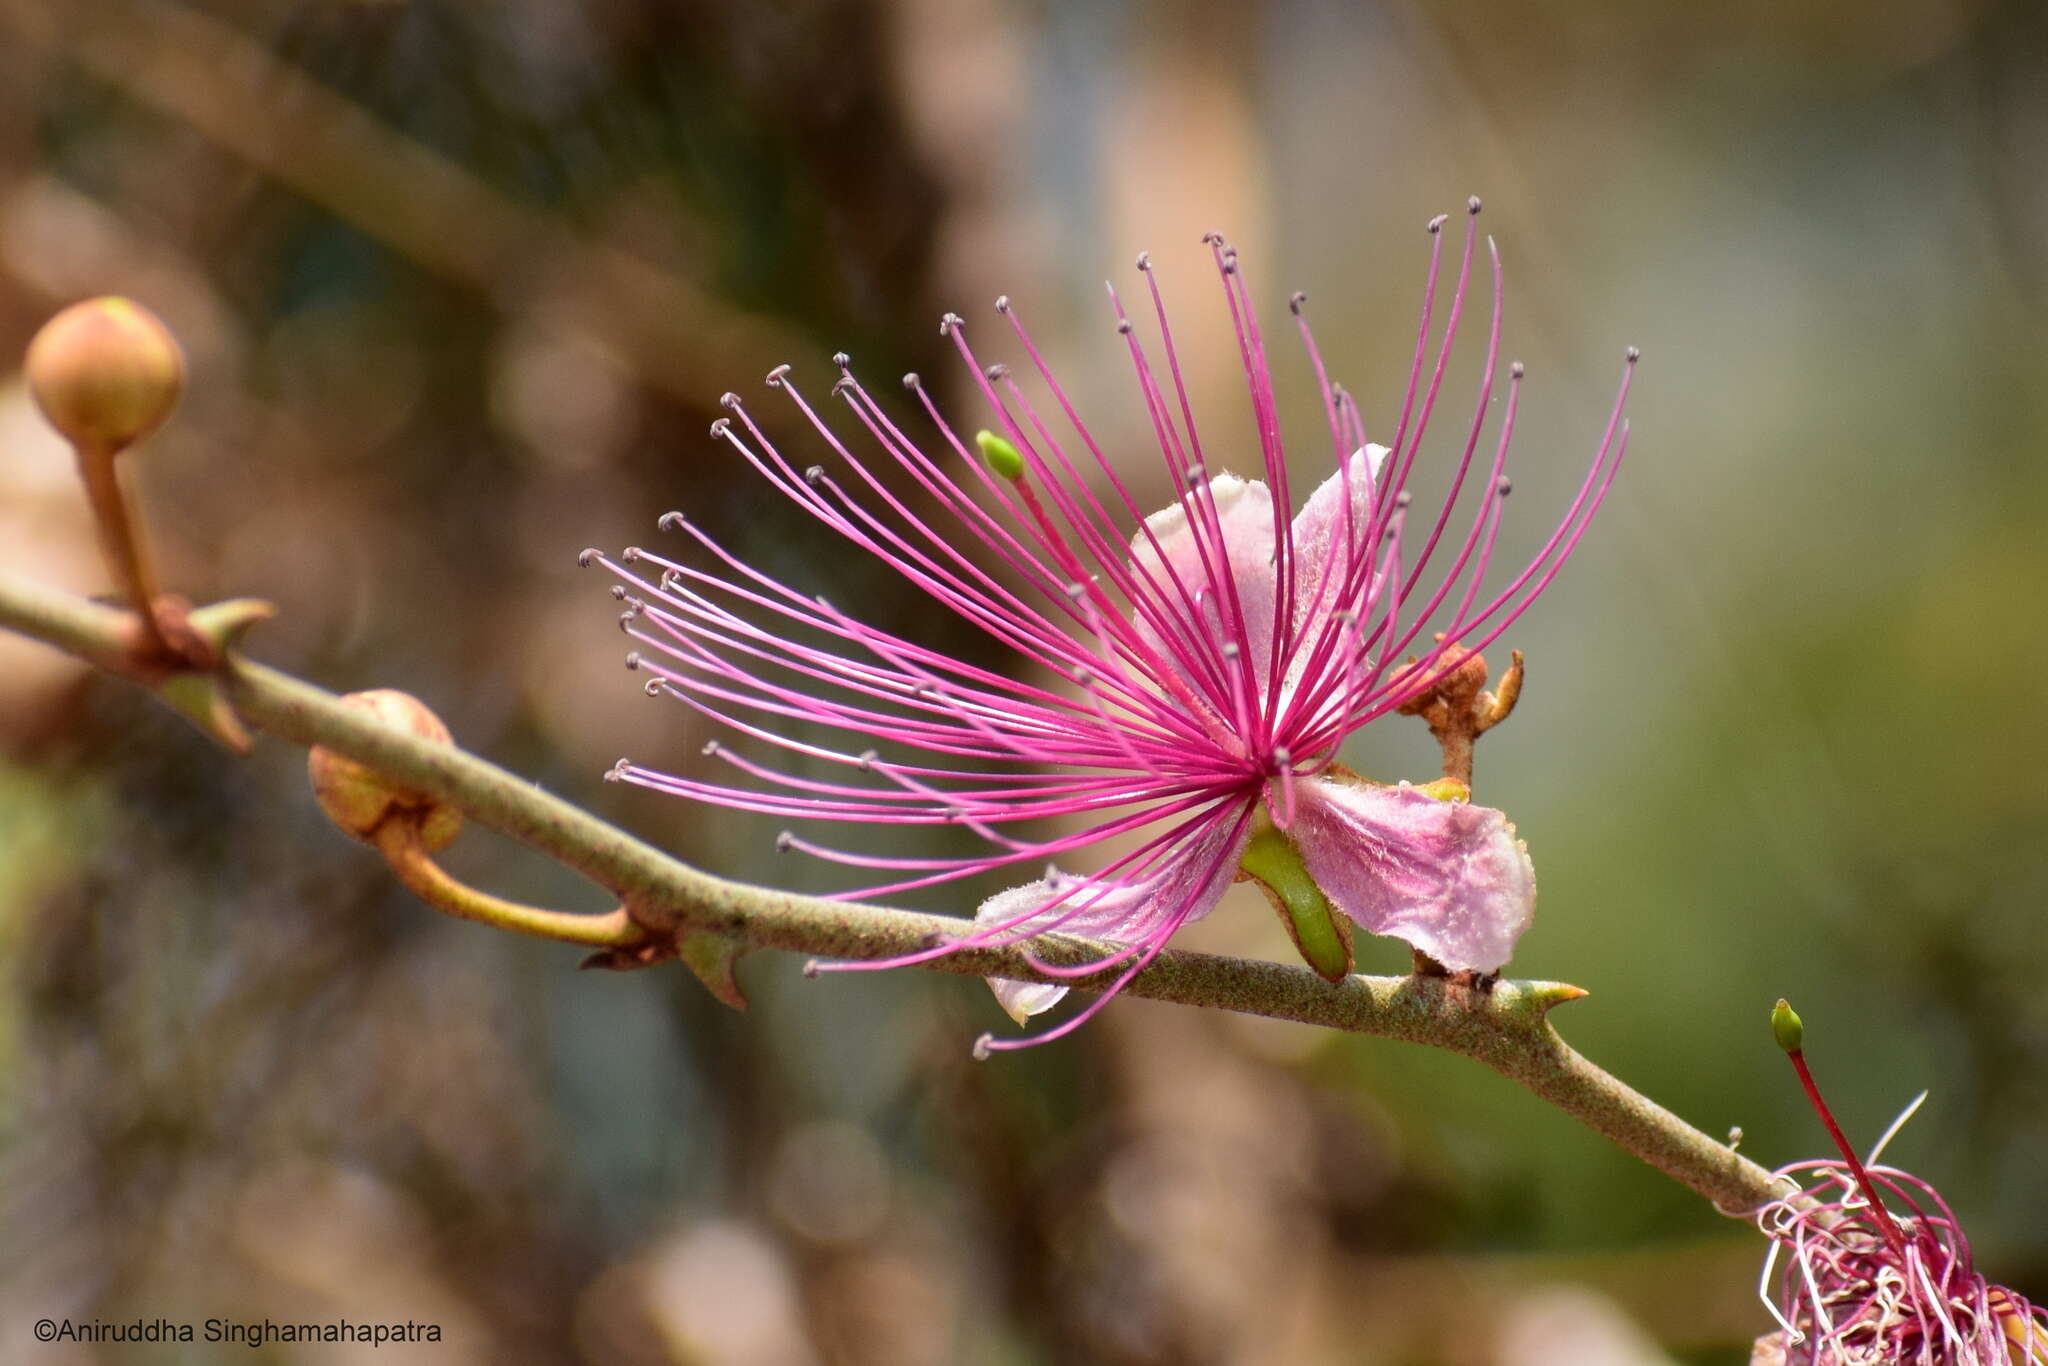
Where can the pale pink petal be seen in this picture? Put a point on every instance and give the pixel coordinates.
(1448, 877)
(1320, 523)
(1174, 895)
(1244, 512)
(1323, 541)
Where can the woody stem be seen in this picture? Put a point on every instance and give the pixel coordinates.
(1507, 1031)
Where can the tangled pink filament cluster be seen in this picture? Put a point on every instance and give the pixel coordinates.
(1187, 672)
(1845, 1296)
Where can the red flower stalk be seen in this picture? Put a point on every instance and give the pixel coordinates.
(1876, 1270)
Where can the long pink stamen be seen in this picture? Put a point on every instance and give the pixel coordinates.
(1152, 703)
(1153, 943)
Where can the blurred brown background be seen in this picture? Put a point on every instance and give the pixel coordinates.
(460, 285)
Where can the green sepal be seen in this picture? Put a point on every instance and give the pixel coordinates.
(1322, 937)
(1004, 459)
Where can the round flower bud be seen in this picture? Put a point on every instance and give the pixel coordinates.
(359, 798)
(1786, 1026)
(106, 373)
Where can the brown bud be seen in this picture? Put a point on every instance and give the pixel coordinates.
(106, 373)
(1456, 688)
(359, 798)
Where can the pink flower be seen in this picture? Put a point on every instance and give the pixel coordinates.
(1847, 1291)
(1191, 674)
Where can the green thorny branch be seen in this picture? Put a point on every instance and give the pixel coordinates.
(106, 374)
(669, 909)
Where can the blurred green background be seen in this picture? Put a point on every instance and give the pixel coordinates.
(460, 284)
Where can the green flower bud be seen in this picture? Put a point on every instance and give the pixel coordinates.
(358, 798)
(1003, 458)
(106, 373)
(1785, 1026)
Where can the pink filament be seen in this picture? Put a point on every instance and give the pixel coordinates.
(1156, 714)
(1854, 1296)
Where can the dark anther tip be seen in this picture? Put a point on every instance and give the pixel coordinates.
(589, 557)
(1517, 370)
(1436, 224)
(1002, 303)
(841, 359)
(671, 521)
